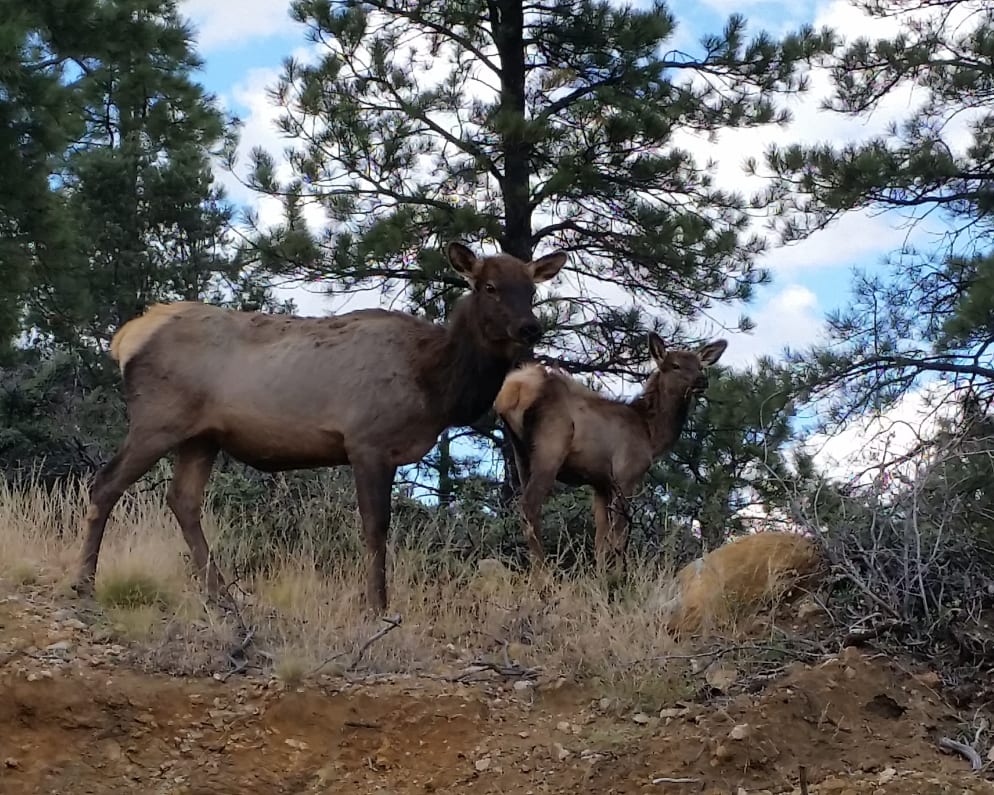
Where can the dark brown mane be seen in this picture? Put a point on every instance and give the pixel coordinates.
(465, 375)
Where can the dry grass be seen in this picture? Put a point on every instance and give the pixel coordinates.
(303, 617)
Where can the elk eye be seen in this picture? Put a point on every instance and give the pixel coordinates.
(490, 287)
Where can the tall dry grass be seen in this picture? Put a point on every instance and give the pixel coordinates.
(305, 614)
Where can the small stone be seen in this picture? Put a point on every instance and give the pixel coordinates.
(563, 726)
(722, 678)
(640, 718)
(605, 704)
(740, 732)
(523, 735)
(482, 764)
(11, 763)
(562, 753)
(523, 684)
(672, 712)
(58, 646)
(886, 775)
(299, 745)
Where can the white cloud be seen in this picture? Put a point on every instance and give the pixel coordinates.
(873, 442)
(223, 23)
(791, 316)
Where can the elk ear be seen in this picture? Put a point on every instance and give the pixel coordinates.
(464, 261)
(709, 354)
(544, 268)
(657, 348)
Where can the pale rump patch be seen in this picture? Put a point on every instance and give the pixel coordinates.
(520, 391)
(740, 576)
(134, 334)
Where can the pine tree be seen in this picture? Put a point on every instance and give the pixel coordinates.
(38, 120)
(151, 223)
(551, 124)
(931, 315)
(106, 156)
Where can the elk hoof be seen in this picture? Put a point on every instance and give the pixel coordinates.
(82, 587)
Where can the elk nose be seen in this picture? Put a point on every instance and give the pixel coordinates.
(530, 331)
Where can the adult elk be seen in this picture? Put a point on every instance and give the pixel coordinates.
(372, 389)
(560, 430)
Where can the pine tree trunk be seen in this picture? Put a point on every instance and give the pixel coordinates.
(507, 19)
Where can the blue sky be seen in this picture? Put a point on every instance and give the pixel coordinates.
(243, 45)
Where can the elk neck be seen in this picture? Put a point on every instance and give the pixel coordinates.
(664, 410)
(464, 374)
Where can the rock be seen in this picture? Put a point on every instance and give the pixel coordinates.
(563, 726)
(562, 753)
(59, 646)
(722, 677)
(482, 764)
(808, 607)
(11, 762)
(672, 712)
(523, 684)
(740, 732)
(298, 745)
(929, 679)
(640, 718)
(605, 704)
(886, 775)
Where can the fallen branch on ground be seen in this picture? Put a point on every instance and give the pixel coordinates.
(963, 750)
(392, 622)
(507, 671)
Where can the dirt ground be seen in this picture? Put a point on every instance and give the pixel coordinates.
(76, 717)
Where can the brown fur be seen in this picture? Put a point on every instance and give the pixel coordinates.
(563, 431)
(372, 389)
(740, 576)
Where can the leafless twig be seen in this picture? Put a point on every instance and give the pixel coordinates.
(671, 780)
(392, 622)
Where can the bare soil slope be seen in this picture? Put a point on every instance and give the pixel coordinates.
(76, 717)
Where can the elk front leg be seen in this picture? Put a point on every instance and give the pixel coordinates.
(602, 523)
(619, 527)
(373, 482)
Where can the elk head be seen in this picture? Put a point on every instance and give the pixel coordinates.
(682, 371)
(503, 290)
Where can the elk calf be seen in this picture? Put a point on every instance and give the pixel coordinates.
(372, 389)
(560, 430)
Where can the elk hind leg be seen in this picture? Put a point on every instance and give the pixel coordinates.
(194, 461)
(137, 456)
(550, 447)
